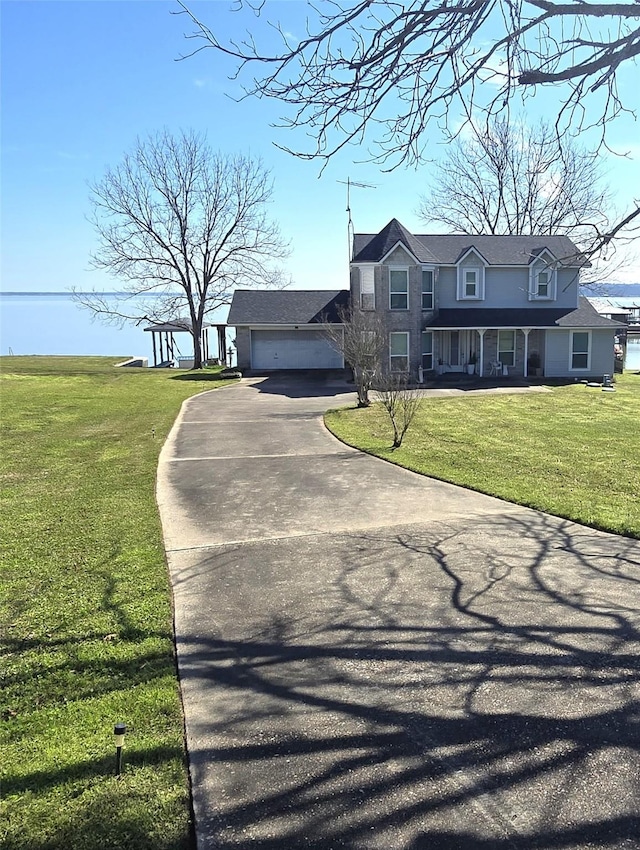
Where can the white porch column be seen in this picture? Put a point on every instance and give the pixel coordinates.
(481, 332)
(526, 332)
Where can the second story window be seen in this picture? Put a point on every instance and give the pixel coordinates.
(542, 280)
(470, 283)
(367, 288)
(427, 289)
(543, 285)
(399, 289)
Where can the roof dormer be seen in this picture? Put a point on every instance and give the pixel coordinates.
(471, 274)
(543, 276)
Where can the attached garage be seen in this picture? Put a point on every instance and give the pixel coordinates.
(285, 329)
(293, 349)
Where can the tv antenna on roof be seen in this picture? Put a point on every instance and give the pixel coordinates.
(349, 183)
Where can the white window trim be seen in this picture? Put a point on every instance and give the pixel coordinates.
(462, 296)
(544, 264)
(586, 368)
(391, 357)
(399, 269)
(433, 288)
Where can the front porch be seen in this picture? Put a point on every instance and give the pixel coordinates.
(466, 382)
(488, 352)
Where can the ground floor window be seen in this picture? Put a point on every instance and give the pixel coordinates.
(580, 349)
(399, 351)
(507, 348)
(427, 350)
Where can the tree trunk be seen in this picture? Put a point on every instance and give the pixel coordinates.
(197, 345)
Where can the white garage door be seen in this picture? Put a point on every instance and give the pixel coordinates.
(291, 349)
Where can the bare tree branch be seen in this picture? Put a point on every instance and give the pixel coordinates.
(361, 338)
(510, 179)
(378, 73)
(400, 402)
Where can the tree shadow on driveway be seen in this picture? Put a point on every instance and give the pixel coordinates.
(445, 686)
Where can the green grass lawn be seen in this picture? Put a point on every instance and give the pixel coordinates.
(86, 607)
(573, 451)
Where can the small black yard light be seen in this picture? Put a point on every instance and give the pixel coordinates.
(118, 732)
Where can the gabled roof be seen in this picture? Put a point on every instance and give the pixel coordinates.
(446, 249)
(286, 306)
(471, 249)
(523, 317)
(379, 245)
(536, 253)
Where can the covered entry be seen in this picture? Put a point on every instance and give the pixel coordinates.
(293, 349)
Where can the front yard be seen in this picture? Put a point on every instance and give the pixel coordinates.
(573, 452)
(86, 608)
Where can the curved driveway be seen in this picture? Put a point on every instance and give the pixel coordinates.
(372, 659)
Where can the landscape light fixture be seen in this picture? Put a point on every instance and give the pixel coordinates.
(118, 732)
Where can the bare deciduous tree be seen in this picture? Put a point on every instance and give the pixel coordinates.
(185, 225)
(511, 179)
(393, 68)
(401, 403)
(361, 339)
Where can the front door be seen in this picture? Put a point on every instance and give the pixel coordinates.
(457, 348)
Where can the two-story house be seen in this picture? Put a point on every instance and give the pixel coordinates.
(505, 304)
(492, 305)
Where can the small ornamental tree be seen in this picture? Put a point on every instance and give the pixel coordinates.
(361, 339)
(401, 403)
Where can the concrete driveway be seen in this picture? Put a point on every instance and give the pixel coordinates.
(371, 659)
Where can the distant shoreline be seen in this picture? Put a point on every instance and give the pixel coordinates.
(69, 293)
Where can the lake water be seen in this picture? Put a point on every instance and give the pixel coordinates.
(52, 323)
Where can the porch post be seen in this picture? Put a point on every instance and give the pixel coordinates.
(526, 332)
(482, 332)
(153, 342)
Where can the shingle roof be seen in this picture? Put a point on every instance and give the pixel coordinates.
(286, 306)
(526, 317)
(379, 245)
(446, 249)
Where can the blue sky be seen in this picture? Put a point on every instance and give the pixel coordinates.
(80, 80)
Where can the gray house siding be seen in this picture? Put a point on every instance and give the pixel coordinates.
(504, 288)
(509, 282)
(243, 348)
(567, 290)
(446, 283)
(508, 288)
(602, 357)
(557, 355)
